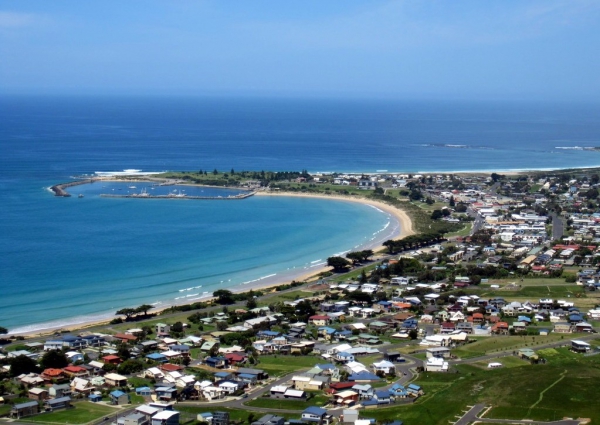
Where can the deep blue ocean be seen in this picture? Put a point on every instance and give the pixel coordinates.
(62, 259)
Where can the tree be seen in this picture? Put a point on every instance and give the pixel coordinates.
(251, 303)
(130, 366)
(413, 334)
(123, 352)
(436, 214)
(22, 364)
(224, 296)
(3, 330)
(127, 312)
(339, 264)
(144, 309)
(54, 359)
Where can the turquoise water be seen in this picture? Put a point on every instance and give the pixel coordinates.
(91, 256)
(62, 259)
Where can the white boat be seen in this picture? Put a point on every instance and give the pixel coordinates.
(132, 187)
(80, 195)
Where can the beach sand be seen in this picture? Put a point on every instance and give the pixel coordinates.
(406, 229)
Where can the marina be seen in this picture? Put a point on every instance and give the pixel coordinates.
(145, 195)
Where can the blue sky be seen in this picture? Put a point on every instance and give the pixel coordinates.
(398, 49)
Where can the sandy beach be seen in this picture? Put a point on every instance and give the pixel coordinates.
(400, 216)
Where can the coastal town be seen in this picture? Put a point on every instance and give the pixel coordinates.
(487, 311)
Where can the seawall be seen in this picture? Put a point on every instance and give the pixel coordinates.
(59, 189)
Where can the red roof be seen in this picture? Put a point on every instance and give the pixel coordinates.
(53, 372)
(338, 386)
(448, 325)
(74, 369)
(478, 315)
(318, 317)
(168, 367)
(235, 357)
(110, 358)
(127, 337)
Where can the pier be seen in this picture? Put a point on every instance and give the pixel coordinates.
(171, 196)
(59, 189)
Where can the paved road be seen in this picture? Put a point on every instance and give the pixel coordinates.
(558, 227)
(471, 415)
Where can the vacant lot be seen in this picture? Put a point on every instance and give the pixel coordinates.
(81, 413)
(490, 345)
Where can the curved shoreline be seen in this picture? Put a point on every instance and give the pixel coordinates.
(99, 319)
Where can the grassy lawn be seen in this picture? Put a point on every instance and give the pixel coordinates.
(189, 413)
(492, 345)
(276, 297)
(278, 365)
(81, 413)
(507, 362)
(318, 400)
(516, 392)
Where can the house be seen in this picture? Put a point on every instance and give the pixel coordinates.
(166, 393)
(384, 366)
(347, 397)
(75, 371)
(163, 329)
(57, 403)
(81, 385)
(74, 356)
(52, 374)
(59, 390)
(441, 352)
(112, 359)
(527, 354)
(258, 373)
(119, 398)
(269, 420)
(319, 320)
(115, 380)
(39, 394)
(22, 410)
(314, 414)
(435, 364)
(216, 362)
(382, 397)
(414, 390)
(166, 417)
(135, 419)
(143, 391)
(363, 390)
(580, 346)
(562, 327)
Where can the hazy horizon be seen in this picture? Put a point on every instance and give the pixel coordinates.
(468, 50)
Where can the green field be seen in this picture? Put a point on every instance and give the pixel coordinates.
(490, 345)
(81, 413)
(278, 365)
(515, 392)
(319, 400)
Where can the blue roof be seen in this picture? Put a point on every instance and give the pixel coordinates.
(371, 402)
(387, 303)
(326, 366)
(95, 397)
(524, 319)
(396, 386)
(268, 333)
(246, 375)
(143, 389)
(364, 376)
(315, 410)
(156, 356)
(414, 387)
(222, 374)
(382, 394)
(344, 354)
(117, 393)
(327, 329)
(206, 414)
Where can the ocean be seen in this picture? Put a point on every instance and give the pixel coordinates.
(64, 260)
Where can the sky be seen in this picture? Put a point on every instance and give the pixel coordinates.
(467, 49)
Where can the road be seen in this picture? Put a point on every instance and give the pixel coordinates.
(558, 227)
